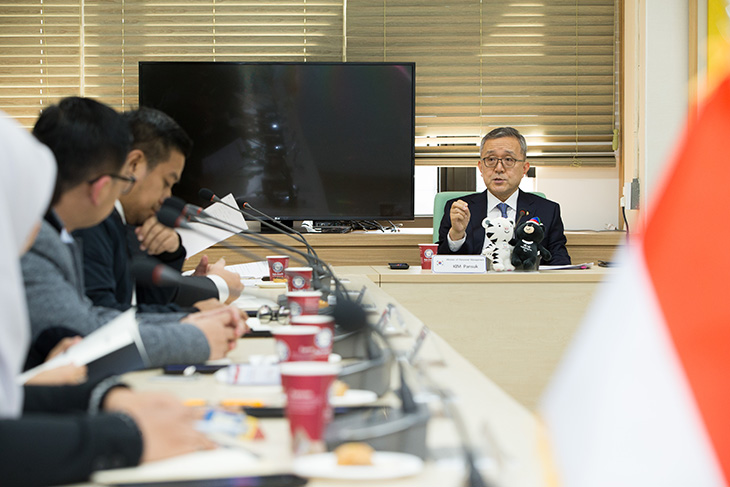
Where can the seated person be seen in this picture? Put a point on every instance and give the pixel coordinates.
(156, 161)
(59, 435)
(90, 142)
(502, 164)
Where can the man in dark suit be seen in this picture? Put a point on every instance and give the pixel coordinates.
(157, 160)
(502, 164)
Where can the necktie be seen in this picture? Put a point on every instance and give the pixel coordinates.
(503, 208)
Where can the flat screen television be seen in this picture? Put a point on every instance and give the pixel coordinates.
(298, 141)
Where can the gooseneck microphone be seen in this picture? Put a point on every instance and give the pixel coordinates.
(176, 213)
(151, 271)
(208, 195)
(352, 317)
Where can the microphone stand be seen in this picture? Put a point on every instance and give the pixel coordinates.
(474, 477)
(208, 195)
(171, 216)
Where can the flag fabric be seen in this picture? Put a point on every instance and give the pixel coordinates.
(642, 396)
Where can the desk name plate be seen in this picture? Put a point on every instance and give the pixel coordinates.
(459, 264)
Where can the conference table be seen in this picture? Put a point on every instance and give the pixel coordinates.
(512, 326)
(505, 436)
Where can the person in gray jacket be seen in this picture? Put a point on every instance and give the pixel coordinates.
(59, 435)
(90, 142)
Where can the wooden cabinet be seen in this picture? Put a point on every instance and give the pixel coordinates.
(377, 248)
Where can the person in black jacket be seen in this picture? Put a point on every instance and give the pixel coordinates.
(157, 160)
(502, 164)
(53, 435)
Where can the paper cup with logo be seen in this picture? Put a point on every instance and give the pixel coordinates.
(307, 386)
(298, 278)
(296, 343)
(325, 336)
(303, 302)
(277, 266)
(427, 253)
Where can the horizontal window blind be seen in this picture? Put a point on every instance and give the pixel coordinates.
(119, 35)
(545, 67)
(40, 55)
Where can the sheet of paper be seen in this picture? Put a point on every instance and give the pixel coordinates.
(216, 463)
(250, 270)
(204, 236)
(115, 335)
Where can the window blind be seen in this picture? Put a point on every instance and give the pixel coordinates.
(545, 67)
(40, 55)
(119, 35)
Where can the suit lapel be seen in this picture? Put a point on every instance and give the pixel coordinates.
(479, 214)
(526, 203)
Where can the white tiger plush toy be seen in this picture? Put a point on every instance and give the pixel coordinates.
(497, 234)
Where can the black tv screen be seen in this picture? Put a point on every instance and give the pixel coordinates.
(298, 141)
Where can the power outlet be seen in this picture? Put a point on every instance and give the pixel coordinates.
(631, 195)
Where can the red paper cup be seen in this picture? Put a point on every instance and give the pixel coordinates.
(298, 278)
(307, 386)
(324, 338)
(297, 343)
(427, 253)
(277, 266)
(303, 302)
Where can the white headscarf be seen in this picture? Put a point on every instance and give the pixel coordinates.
(27, 176)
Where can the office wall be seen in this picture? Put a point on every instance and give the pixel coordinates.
(656, 74)
(588, 196)
(666, 84)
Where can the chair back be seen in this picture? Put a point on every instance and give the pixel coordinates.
(439, 201)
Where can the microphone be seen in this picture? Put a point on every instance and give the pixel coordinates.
(352, 317)
(208, 195)
(401, 430)
(523, 213)
(413, 417)
(150, 271)
(176, 213)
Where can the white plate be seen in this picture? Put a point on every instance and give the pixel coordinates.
(354, 397)
(386, 465)
(272, 285)
(274, 359)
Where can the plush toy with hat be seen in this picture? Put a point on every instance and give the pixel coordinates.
(527, 245)
(498, 233)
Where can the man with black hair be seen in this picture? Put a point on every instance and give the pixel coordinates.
(90, 142)
(60, 435)
(502, 164)
(156, 161)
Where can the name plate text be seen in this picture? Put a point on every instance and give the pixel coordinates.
(459, 264)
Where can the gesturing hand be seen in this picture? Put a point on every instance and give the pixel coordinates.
(156, 238)
(221, 327)
(167, 427)
(460, 216)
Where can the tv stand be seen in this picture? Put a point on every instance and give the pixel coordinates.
(337, 226)
(281, 226)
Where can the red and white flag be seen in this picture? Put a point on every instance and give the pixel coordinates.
(642, 397)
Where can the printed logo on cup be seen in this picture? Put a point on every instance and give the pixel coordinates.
(428, 253)
(323, 338)
(295, 308)
(282, 350)
(298, 282)
(277, 266)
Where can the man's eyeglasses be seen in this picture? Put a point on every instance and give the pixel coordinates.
(127, 180)
(507, 162)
